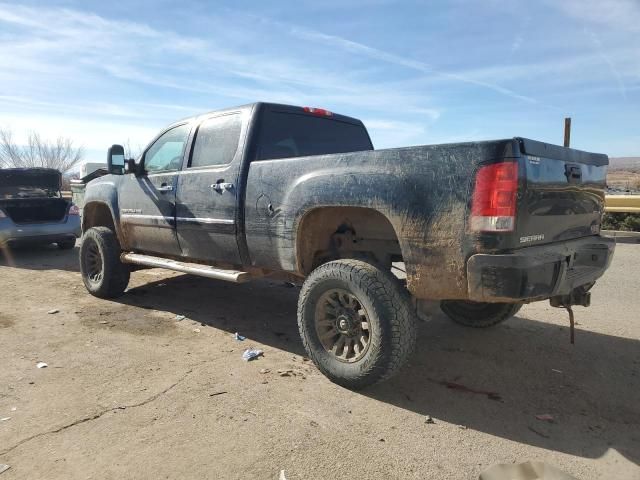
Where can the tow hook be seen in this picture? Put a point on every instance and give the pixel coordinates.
(578, 296)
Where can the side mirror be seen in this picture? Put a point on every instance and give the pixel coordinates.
(115, 159)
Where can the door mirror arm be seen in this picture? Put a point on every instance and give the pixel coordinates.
(132, 166)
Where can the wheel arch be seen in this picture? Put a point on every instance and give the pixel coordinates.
(328, 233)
(100, 214)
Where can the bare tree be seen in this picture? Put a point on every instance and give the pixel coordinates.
(132, 152)
(60, 153)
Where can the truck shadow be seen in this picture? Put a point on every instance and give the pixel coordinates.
(40, 257)
(591, 389)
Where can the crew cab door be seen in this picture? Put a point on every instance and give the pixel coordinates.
(147, 200)
(207, 199)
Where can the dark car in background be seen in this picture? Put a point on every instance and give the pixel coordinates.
(32, 209)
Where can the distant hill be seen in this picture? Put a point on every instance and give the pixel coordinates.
(623, 174)
(630, 164)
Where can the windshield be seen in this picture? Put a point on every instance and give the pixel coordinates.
(287, 135)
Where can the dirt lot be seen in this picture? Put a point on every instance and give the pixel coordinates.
(130, 392)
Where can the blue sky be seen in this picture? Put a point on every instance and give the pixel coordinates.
(416, 72)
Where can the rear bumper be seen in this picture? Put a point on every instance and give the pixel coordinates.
(537, 273)
(39, 232)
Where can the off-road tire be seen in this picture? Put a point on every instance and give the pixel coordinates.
(114, 276)
(66, 244)
(393, 327)
(479, 314)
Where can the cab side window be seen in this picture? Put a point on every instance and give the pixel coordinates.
(166, 152)
(217, 141)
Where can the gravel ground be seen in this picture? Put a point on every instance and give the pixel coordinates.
(130, 392)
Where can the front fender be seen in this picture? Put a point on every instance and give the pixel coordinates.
(104, 193)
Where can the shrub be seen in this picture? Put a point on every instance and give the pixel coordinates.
(621, 221)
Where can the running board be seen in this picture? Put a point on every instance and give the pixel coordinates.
(192, 268)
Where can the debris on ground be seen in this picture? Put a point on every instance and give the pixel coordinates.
(546, 417)
(196, 330)
(4, 467)
(240, 338)
(41, 365)
(103, 322)
(13, 409)
(282, 477)
(251, 353)
(265, 370)
(217, 393)
(537, 432)
(428, 419)
(5, 419)
(556, 370)
(462, 427)
(52, 311)
(464, 388)
(285, 372)
(179, 318)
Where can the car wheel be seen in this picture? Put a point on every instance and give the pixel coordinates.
(103, 274)
(479, 314)
(67, 244)
(356, 322)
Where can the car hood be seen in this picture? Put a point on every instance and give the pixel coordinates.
(46, 178)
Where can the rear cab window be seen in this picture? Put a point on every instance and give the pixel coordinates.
(216, 141)
(285, 134)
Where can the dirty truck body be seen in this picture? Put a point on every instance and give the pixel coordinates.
(299, 193)
(32, 210)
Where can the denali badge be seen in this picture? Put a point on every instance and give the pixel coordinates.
(130, 210)
(532, 238)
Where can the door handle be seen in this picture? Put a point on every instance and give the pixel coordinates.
(165, 188)
(220, 187)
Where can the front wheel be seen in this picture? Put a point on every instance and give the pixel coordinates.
(356, 322)
(479, 314)
(103, 274)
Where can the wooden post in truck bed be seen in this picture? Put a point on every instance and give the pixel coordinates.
(567, 131)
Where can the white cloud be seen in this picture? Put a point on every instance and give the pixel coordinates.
(88, 133)
(53, 51)
(615, 14)
(359, 48)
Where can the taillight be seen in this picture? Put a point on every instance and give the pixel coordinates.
(318, 111)
(493, 205)
(74, 210)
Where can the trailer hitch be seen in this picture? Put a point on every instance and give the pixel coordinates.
(578, 296)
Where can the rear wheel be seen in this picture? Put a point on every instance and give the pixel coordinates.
(356, 322)
(103, 274)
(479, 314)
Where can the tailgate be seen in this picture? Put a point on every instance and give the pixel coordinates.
(562, 193)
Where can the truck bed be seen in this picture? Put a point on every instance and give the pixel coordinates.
(425, 192)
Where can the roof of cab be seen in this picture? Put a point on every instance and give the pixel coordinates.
(277, 107)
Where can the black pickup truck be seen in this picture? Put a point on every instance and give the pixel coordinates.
(267, 190)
